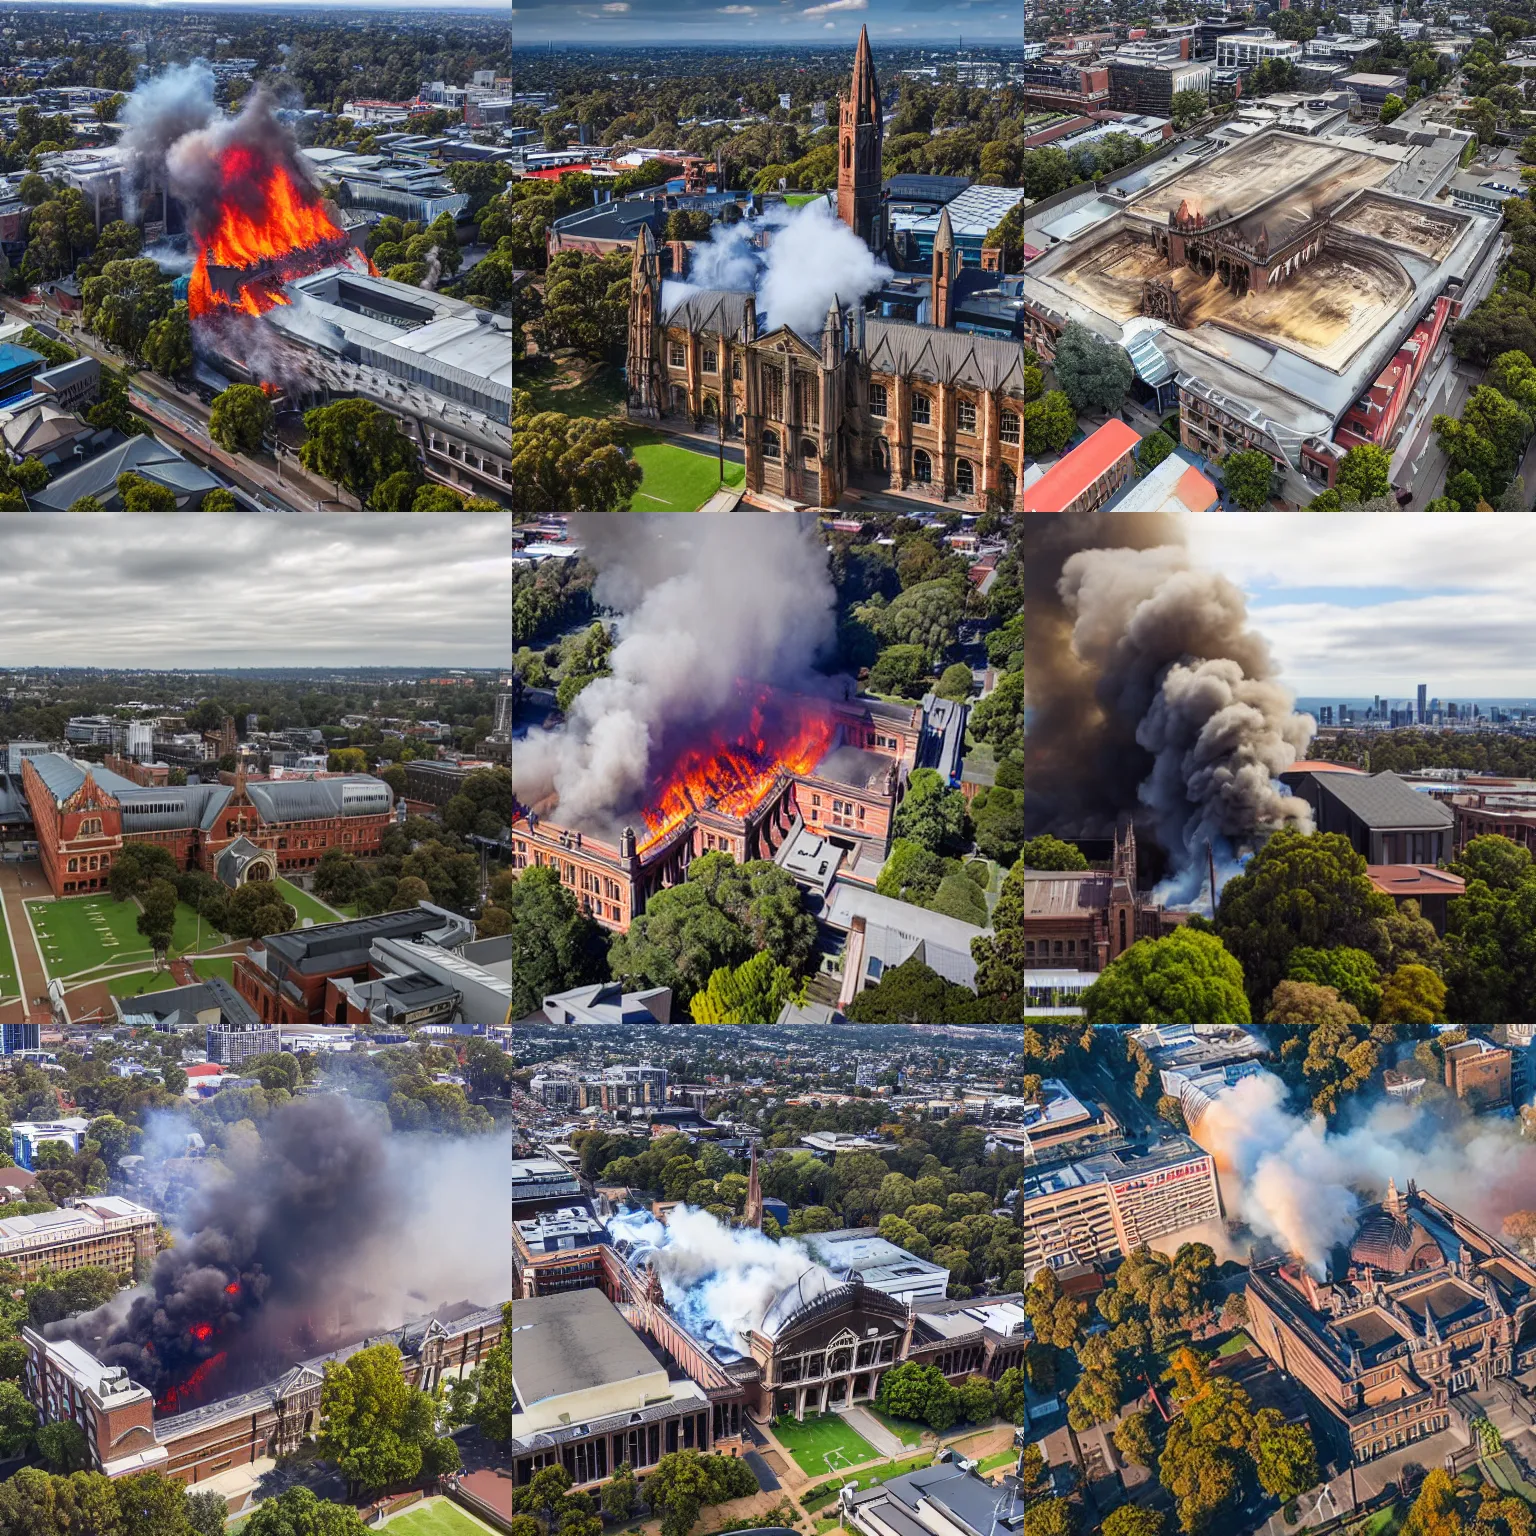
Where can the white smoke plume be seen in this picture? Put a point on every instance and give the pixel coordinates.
(434, 272)
(1291, 1180)
(719, 1281)
(1170, 650)
(797, 261)
(705, 605)
(158, 113)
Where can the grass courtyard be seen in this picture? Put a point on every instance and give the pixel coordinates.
(92, 933)
(908, 1431)
(437, 1517)
(810, 1442)
(137, 983)
(305, 904)
(677, 479)
(565, 390)
(9, 985)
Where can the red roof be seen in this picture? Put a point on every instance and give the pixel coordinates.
(1068, 478)
(555, 172)
(1310, 765)
(1415, 880)
(204, 1069)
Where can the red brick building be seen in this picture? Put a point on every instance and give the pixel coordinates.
(285, 977)
(84, 816)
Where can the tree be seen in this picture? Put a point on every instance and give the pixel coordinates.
(356, 444)
(753, 993)
(258, 909)
(568, 464)
(1047, 852)
(62, 1444)
(1056, 1317)
(978, 1399)
(1391, 109)
(373, 1424)
(86, 504)
(1365, 470)
(998, 816)
(141, 495)
(1249, 474)
(157, 921)
(33, 189)
(18, 1419)
(586, 304)
(1284, 1455)
(1186, 978)
(899, 669)
(1133, 1438)
(620, 1494)
(1413, 995)
(1094, 374)
(1050, 1517)
(1352, 973)
(493, 1403)
(1188, 107)
(1049, 423)
(1299, 890)
(955, 682)
(168, 343)
(396, 492)
(240, 418)
(1155, 447)
(298, 1512)
(913, 993)
(207, 1513)
(932, 814)
(1134, 1520)
(124, 301)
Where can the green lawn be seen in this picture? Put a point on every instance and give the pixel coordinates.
(809, 1442)
(997, 1459)
(908, 1431)
(796, 199)
(9, 985)
(305, 904)
(868, 1477)
(602, 395)
(1236, 1342)
(216, 965)
(137, 983)
(677, 479)
(89, 933)
(437, 1517)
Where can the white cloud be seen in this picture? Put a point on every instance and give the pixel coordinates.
(737, 10)
(836, 5)
(617, 7)
(829, 26)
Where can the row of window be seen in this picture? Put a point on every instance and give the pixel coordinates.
(921, 413)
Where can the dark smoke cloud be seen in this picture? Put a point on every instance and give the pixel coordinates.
(1149, 695)
(324, 1229)
(156, 115)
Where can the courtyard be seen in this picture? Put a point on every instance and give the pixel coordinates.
(677, 479)
(813, 1441)
(84, 934)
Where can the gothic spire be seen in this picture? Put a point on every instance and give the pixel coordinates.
(866, 90)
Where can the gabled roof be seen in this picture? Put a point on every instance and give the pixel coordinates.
(711, 311)
(144, 456)
(1382, 800)
(945, 357)
(1069, 477)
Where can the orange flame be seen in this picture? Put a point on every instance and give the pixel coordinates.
(291, 222)
(190, 1388)
(734, 776)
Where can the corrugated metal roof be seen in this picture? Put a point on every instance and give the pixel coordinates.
(308, 799)
(710, 311)
(945, 357)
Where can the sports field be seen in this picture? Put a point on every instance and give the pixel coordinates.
(305, 904)
(810, 1442)
(91, 933)
(678, 480)
(437, 1517)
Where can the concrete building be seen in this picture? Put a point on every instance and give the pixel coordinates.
(557, 1236)
(587, 1394)
(947, 1499)
(28, 1135)
(622, 1087)
(104, 1230)
(1427, 1306)
(860, 1253)
(1109, 1205)
(1479, 1073)
(1383, 818)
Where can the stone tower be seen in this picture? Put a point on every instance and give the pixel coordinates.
(752, 1213)
(860, 145)
(644, 364)
(946, 262)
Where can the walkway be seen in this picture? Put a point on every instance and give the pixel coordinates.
(873, 1430)
(17, 881)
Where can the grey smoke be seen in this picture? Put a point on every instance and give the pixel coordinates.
(327, 1228)
(1157, 697)
(797, 261)
(705, 605)
(157, 113)
(434, 270)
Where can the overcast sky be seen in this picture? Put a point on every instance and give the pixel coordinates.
(766, 21)
(1362, 603)
(138, 589)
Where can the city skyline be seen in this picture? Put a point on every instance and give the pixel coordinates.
(1337, 601)
(764, 22)
(332, 590)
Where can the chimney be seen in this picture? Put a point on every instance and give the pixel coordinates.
(627, 843)
(992, 258)
(679, 249)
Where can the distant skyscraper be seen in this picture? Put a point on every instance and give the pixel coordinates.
(1423, 694)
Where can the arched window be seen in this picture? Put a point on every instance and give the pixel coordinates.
(809, 452)
(710, 410)
(965, 477)
(770, 443)
(91, 827)
(922, 467)
(846, 160)
(1005, 484)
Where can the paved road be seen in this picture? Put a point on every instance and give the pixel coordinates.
(761, 1471)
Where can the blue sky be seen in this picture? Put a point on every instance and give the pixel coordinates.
(1358, 603)
(767, 21)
